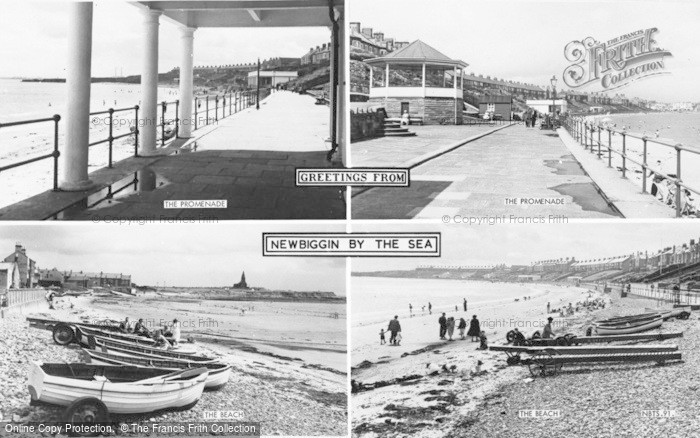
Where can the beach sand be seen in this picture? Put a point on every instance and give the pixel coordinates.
(423, 404)
(287, 395)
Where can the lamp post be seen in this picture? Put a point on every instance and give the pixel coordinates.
(553, 81)
(257, 89)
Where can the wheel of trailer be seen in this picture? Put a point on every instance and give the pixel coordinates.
(570, 339)
(510, 336)
(544, 364)
(86, 411)
(683, 315)
(589, 331)
(513, 360)
(536, 335)
(63, 334)
(561, 341)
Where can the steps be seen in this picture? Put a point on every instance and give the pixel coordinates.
(393, 128)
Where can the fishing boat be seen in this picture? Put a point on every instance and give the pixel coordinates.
(621, 320)
(629, 327)
(677, 312)
(218, 372)
(113, 346)
(98, 390)
(82, 335)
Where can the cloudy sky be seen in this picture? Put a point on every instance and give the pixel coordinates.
(522, 244)
(524, 40)
(179, 255)
(33, 37)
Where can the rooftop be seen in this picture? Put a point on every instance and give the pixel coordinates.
(417, 52)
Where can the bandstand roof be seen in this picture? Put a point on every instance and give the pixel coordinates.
(244, 13)
(417, 52)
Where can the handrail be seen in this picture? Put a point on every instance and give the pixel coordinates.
(582, 131)
(236, 102)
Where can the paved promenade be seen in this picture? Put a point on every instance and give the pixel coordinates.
(477, 179)
(248, 159)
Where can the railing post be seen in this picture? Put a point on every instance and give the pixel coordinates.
(609, 148)
(206, 108)
(679, 208)
(230, 95)
(195, 113)
(624, 155)
(56, 152)
(136, 131)
(216, 108)
(644, 164)
(177, 118)
(111, 137)
(163, 108)
(599, 129)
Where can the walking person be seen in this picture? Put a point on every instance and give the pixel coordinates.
(534, 119)
(464, 304)
(395, 329)
(547, 331)
(443, 326)
(382, 338)
(462, 327)
(450, 327)
(430, 308)
(410, 309)
(474, 329)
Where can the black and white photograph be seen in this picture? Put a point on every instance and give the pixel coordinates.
(584, 109)
(153, 325)
(114, 109)
(539, 331)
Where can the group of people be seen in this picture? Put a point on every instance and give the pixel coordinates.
(160, 335)
(447, 328)
(465, 306)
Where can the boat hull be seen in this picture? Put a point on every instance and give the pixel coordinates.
(134, 349)
(118, 397)
(218, 373)
(629, 329)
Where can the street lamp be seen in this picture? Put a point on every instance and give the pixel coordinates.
(553, 81)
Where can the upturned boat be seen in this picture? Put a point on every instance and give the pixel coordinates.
(218, 372)
(116, 389)
(629, 327)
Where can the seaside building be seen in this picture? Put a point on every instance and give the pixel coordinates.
(270, 78)
(420, 81)
(9, 276)
(54, 277)
(26, 266)
(549, 106)
(496, 106)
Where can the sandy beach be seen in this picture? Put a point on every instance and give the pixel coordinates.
(407, 392)
(302, 396)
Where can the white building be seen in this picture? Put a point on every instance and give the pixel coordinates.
(9, 276)
(545, 105)
(270, 78)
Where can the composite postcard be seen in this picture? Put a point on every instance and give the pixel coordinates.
(349, 218)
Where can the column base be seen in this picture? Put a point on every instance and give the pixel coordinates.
(78, 186)
(150, 153)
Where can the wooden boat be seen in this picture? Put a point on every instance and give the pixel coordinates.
(630, 327)
(83, 334)
(119, 389)
(622, 320)
(116, 347)
(219, 373)
(677, 312)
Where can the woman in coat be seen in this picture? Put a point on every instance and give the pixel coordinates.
(450, 327)
(462, 327)
(474, 329)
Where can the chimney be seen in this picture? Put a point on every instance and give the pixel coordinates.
(379, 36)
(355, 26)
(367, 31)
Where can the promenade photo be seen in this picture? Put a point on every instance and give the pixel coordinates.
(540, 109)
(539, 331)
(121, 109)
(124, 325)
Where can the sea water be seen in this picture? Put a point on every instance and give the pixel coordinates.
(378, 299)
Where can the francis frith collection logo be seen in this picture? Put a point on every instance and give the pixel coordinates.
(614, 63)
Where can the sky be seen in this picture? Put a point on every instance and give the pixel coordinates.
(524, 40)
(179, 255)
(33, 40)
(522, 244)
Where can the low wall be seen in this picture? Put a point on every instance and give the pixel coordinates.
(24, 301)
(433, 110)
(365, 125)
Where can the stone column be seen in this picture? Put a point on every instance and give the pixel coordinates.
(149, 85)
(73, 165)
(342, 113)
(186, 84)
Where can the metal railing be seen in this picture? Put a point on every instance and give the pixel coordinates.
(589, 135)
(234, 102)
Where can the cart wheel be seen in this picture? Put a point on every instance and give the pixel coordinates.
(536, 335)
(684, 315)
(527, 342)
(561, 341)
(589, 331)
(544, 364)
(86, 410)
(513, 360)
(63, 334)
(510, 336)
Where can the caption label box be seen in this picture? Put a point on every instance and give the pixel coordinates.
(352, 244)
(357, 177)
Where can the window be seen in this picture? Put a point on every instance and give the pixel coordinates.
(378, 74)
(491, 107)
(405, 76)
(439, 77)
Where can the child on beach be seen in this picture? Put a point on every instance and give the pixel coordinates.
(483, 341)
(382, 338)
